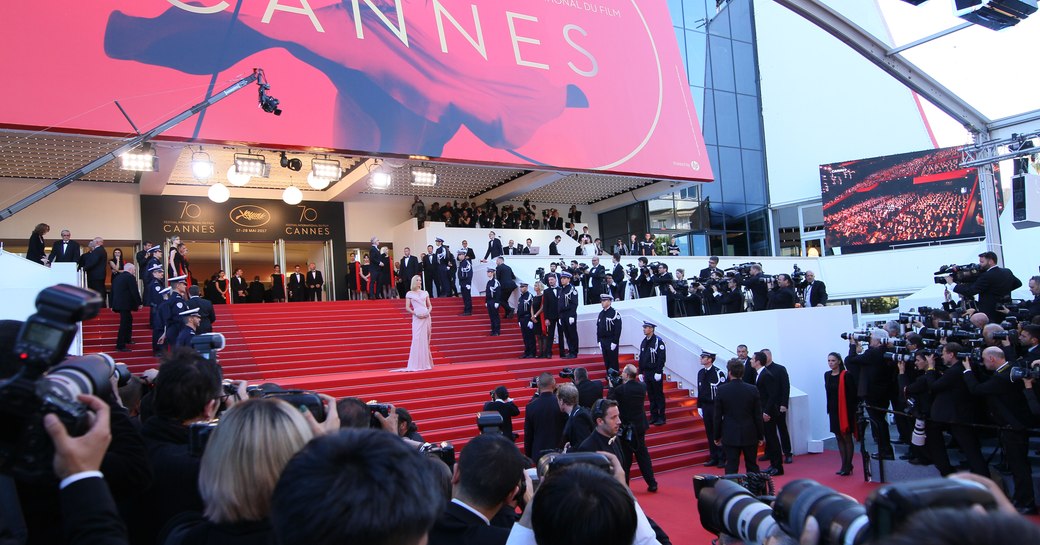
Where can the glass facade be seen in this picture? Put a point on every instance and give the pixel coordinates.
(729, 215)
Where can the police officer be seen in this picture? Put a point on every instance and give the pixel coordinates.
(708, 380)
(651, 366)
(159, 315)
(527, 325)
(568, 305)
(152, 257)
(191, 320)
(465, 274)
(608, 332)
(491, 295)
(175, 305)
(441, 262)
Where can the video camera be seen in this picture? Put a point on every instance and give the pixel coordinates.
(567, 372)
(443, 451)
(962, 274)
(41, 385)
(1020, 372)
(614, 378)
(743, 270)
(208, 344)
(726, 507)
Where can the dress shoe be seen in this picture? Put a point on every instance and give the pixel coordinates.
(904, 456)
(525, 357)
(918, 461)
(844, 472)
(130, 342)
(877, 456)
(711, 463)
(466, 314)
(652, 487)
(788, 459)
(774, 472)
(123, 349)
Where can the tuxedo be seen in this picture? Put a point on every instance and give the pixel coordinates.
(708, 271)
(508, 410)
(631, 398)
(737, 424)
(992, 287)
(125, 299)
(526, 250)
(511, 250)
(814, 293)
(297, 290)
(494, 248)
(769, 392)
(505, 276)
(588, 392)
(578, 427)
(66, 252)
(240, 289)
(314, 284)
(543, 425)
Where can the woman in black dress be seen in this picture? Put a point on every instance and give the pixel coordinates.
(37, 252)
(366, 276)
(277, 285)
(841, 408)
(351, 277)
(223, 289)
(542, 343)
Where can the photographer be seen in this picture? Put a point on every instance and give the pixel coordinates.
(579, 421)
(875, 379)
(952, 408)
(596, 275)
(917, 397)
(631, 397)
(992, 287)
(488, 475)
(814, 292)
(756, 283)
(503, 405)
(588, 390)
(1009, 409)
(406, 427)
(1033, 308)
(732, 299)
(642, 279)
(1029, 342)
(783, 295)
(543, 421)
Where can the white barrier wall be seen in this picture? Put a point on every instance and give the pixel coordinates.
(22, 280)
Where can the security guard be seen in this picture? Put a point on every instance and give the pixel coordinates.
(465, 274)
(442, 262)
(708, 380)
(191, 320)
(175, 305)
(523, 315)
(159, 316)
(568, 305)
(152, 257)
(491, 294)
(608, 332)
(651, 366)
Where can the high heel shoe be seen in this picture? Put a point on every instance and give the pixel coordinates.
(845, 472)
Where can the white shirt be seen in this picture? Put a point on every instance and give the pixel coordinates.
(645, 535)
(463, 505)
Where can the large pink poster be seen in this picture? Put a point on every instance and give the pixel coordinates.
(567, 84)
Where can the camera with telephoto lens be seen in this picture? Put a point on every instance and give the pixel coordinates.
(725, 507)
(539, 273)
(797, 276)
(1021, 370)
(567, 372)
(208, 344)
(909, 318)
(898, 354)
(301, 399)
(45, 381)
(614, 378)
(858, 337)
(962, 274)
(443, 451)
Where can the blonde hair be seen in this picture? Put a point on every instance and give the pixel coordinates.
(416, 283)
(538, 286)
(246, 455)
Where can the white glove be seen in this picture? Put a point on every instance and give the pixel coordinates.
(530, 325)
(496, 305)
(613, 346)
(467, 287)
(571, 320)
(657, 377)
(700, 413)
(640, 378)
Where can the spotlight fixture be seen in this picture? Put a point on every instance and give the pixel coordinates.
(292, 195)
(219, 193)
(252, 165)
(379, 180)
(201, 165)
(142, 159)
(236, 178)
(424, 176)
(327, 169)
(293, 164)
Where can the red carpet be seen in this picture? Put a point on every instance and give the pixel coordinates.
(348, 348)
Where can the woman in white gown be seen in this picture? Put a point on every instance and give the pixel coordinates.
(417, 303)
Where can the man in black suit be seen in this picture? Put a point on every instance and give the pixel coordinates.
(528, 249)
(65, 250)
(732, 300)
(469, 251)
(543, 421)
(712, 269)
(511, 248)
(874, 380)
(618, 274)
(314, 283)
(375, 266)
(125, 300)
(738, 424)
(508, 280)
(494, 248)
(487, 476)
(206, 312)
(769, 392)
(554, 246)
(95, 264)
(652, 359)
(814, 292)
(631, 398)
(749, 370)
(759, 290)
(595, 275)
(993, 286)
(783, 296)
(409, 266)
(1010, 410)
(953, 409)
(240, 288)
(142, 256)
(604, 437)
(579, 420)
(551, 312)
(588, 390)
(784, 379)
(503, 405)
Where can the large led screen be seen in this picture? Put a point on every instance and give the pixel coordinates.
(884, 202)
(568, 84)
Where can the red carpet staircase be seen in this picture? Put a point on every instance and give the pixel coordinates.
(347, 348)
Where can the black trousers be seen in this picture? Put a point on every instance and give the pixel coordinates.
(714, 450)
(126, 326)
(99, 286)
(655, 393)
(554, 330)
(785, 436)
(1016, 452)
(610, 355)
(879, 424)
(967, 441)
(530, 349)
(637, 449)
(504, 300)
(467, 300)
(496, 321)
(442, 282)
(773, 449)
(570, 331)
(314, 294)
(733, 454)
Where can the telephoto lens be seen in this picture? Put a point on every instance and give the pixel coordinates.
(727, 508)
(842, 520)
(78, 375)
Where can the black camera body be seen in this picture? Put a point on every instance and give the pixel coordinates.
(614, 378)
(41, 385)
(443, 451)
(490, 421)
(962, 274)
(556, 460)
(198, 437)
(303, 398)
(567, 372)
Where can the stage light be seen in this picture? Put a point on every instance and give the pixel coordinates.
(235, 178)
(201, 166)
(316, 182)
(252, 164)
(140, 160)
(424, 176)
(327, 169)
(292, 195)
(219, 193)
(379, 180)
(293, 164)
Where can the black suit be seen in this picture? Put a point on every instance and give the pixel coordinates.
(505, 276)
(784, 379)
(589, 391)
(554, 248)
(578, 427)
(953, 409)
(409, 268)
(95, 263)
(817, 295)
(769, 392)
(125, 300)
(206, 312)
(631, 397)
(543, 425)
(297, 287)
(314, 285)
(992, 287)
(508, 410)
(460, 526)
(89, 514)
(875, 381)
(738, 424)
(759, 291)
(66, 253)
(494, 248)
